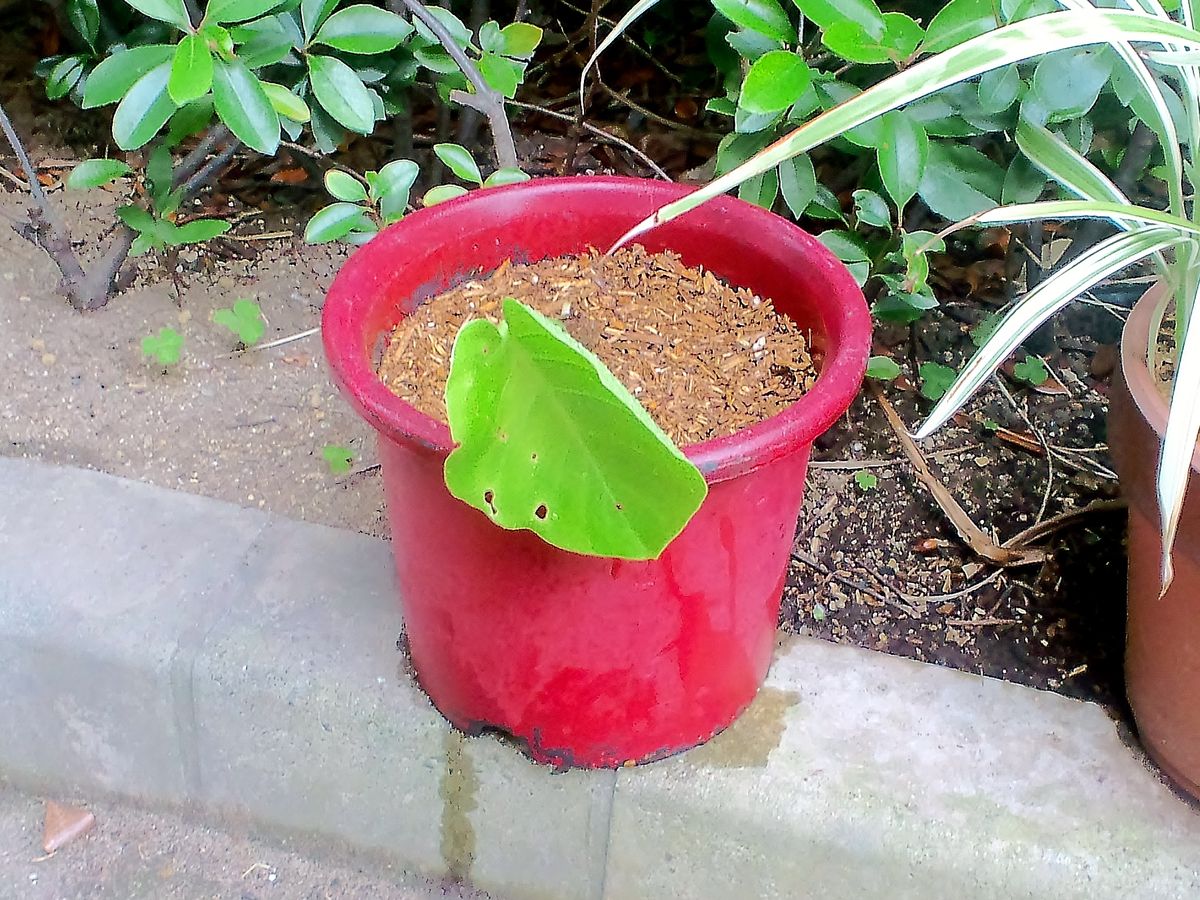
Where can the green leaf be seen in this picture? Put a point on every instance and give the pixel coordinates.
(453, 24)
(244, 107)
(490, 40)
(998, 89)
(338, 458)
(1066, 85)
(502, 74)
(145, 109)
(882, 368)
(170, 11)
(363, 29)
(223, 12)
(342, 186)
(114, 76)
(285, 102)
(191, 70)
(775, 82)
(760, 190)
(505, 176)
(935, 380)
(520, 39)
(92, 173)
(960, 181)
(458, 160)
(442, 193)
(189, 120)
(851, 41)
(63, 77)
(871, 209)
(244, 319)
(334, 222)
(1023, 182)
(826, 13)
(165, 347)
(750, 45)
(313, 14)
(263, 43)
(84, 16)
(549, 440)
(392, 187)
(197, 231)
(341, 93)
(137, 218)
(866, 481)
(958, 21)
(903, 152)
(798, 183)
(1032, 370)
(1060, 161)
(764, 16)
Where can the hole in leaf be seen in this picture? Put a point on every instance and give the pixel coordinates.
(533, 457)
(541, 511)
(619, 507)
(502, 437)
(488, 498)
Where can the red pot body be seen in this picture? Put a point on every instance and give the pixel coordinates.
(1162, 643)
(592, 661)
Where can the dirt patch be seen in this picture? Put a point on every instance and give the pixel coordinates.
(704, 359)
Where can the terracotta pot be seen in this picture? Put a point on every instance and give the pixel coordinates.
(1162, 644)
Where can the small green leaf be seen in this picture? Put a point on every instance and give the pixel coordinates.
(826, 13)
(84, 16)
(170, 11)
(852, 42)
(983, 330)
(761, 190)
(505, 176)
(458, 31)
(333, 222)
(441, 194)
(244, 319)
(224, 12)
(958, 21)
(286, 103)
(549, 440)
(775, 82)
(264, 42)
(998, 89)
(114, 76)
(243, 105)
(191, 70)
(1032, 370)
(313, 14)
(520, 39)
(764, 16)
(960, 181)
(866, 481)
(363, 29)
(935, 380)
(798, 183)
(341, 93)
(145, 110)
(458, 160)
(882, 368)
(338, 458)
(501, 73)
(903, 155)
(871, 209)
(342, 186)
(1066, 85)
(165, 347)
(137, 218)
(392, 187)
(198, 231)
(92, 173)
(63, 77)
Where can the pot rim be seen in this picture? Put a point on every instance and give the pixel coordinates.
(792, 428)
(1135, 343)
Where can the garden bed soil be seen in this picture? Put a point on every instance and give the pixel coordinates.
(705, 359)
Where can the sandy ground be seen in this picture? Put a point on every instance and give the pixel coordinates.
(247, 428)
(135, 855)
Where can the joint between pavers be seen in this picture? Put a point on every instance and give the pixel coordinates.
(600, 824)
(182, 671)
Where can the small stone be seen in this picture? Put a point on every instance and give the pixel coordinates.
(48, 359)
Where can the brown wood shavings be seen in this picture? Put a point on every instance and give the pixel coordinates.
(704, 358)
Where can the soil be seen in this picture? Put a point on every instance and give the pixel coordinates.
(704, 359)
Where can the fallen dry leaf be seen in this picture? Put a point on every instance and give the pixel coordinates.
(64, 824)
(290, 176)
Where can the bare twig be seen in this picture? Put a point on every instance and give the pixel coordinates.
(855, 464)
(485, 99)
(851, 583)
(972, 534)
(652, 115)
(1062, 520)
(599, 132)
(1041, 440)
(954, 595)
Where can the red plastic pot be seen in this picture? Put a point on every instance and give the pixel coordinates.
(592, 661)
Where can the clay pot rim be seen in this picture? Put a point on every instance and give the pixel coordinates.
(1135, 340)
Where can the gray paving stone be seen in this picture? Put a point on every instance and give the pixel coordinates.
(102, 583)
(859, 775)
(308, 720)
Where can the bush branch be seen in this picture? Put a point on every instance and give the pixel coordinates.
(485, 99)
